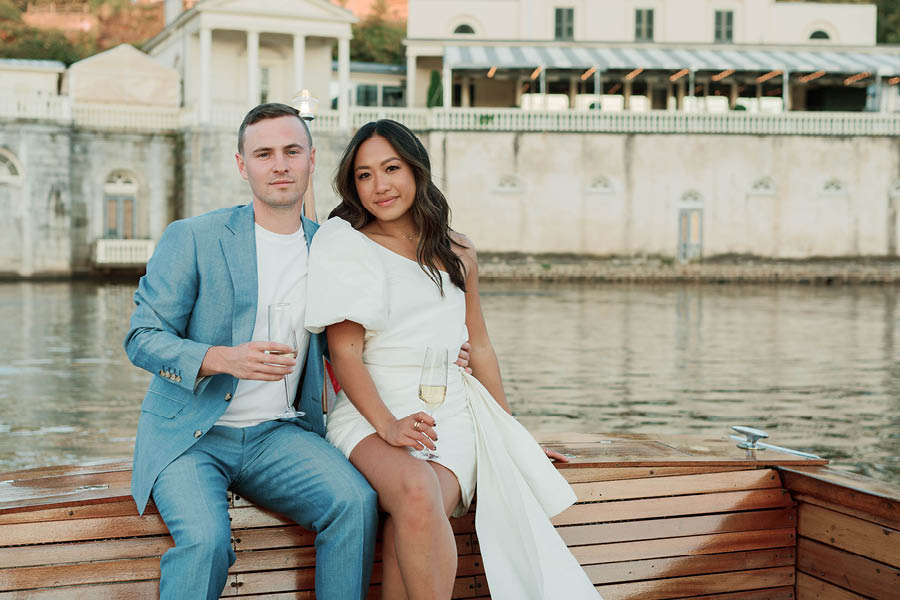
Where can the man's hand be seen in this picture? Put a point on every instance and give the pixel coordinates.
(261, 361)
(463, 359)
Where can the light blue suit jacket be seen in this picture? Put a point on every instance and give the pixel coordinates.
(200, 290)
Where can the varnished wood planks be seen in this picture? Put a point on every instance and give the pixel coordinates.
(678, 520)
(877, 498)
(681, 566)
(858, 573)
(810, 588)
(696, 585)
(849, 533)
(677, 485)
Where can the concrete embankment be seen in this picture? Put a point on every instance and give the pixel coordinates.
(822, 271)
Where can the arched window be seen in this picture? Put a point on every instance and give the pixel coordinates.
(464, 28)
(119, 200)
(9, 171)
(818, 34)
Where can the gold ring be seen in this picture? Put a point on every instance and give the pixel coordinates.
(416, 425)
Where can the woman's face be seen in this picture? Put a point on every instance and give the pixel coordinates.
(384, 181)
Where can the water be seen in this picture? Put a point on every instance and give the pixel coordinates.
(816, 367)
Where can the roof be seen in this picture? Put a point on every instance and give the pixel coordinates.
(27, 64)
(370, 67)
(832, 60)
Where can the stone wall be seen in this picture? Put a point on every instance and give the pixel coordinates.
(610, 194)
(600, 195)
(54, 211)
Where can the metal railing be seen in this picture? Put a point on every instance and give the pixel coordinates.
(122, 253)
(149, 119)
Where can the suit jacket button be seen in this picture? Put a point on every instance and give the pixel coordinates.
(198, 433)
(228, 397)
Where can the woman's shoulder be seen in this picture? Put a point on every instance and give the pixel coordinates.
(337, 233)
(464, 247)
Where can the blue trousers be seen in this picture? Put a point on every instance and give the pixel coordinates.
(284, 468)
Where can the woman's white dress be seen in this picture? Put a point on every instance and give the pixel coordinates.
(353, 278)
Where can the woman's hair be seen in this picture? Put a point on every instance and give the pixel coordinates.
(430, 210)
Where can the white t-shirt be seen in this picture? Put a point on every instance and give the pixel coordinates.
(281, 269)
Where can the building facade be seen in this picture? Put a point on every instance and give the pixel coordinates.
(233, 54)
(694, 55)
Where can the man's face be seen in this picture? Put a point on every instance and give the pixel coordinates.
(277, 161)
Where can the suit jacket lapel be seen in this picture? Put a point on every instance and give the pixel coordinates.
(309, 229)
(239, 246)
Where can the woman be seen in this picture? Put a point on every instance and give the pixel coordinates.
(388, 277)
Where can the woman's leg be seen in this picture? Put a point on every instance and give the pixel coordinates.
(410, 490)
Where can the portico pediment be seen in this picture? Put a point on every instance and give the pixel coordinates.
(308, 10)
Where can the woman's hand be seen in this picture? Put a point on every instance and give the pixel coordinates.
(555, 456)
(413, 431)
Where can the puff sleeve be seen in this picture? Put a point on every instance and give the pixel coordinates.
(346, 280)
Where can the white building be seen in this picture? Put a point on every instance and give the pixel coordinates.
(695, 55)
(234, 54)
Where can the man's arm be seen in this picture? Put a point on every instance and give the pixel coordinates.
(164, 301)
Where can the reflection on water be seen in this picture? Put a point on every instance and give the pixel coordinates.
(816, 367)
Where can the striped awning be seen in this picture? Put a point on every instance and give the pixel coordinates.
(708, 59)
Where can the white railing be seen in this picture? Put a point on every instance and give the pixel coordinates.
(513, 119)
(126, 117)
(35, 106)
(122, 253)
(159, 119)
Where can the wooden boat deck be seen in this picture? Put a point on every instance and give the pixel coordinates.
(680, 517)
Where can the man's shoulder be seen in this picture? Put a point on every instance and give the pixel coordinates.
(208, 221)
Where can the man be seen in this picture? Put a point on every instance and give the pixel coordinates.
(210, 419)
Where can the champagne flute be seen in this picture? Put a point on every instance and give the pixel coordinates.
(432, 390)
(281, 330)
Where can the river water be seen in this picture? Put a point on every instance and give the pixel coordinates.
(818, 368)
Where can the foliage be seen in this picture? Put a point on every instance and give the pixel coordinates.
(435, 91)
(379, 38)
(9, 12)
(20, 41)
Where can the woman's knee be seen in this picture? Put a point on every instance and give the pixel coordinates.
(417, 499)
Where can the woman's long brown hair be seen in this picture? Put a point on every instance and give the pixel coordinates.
(430, 210)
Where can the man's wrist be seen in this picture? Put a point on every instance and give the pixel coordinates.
(213, 361)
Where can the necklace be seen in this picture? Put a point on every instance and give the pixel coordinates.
(410, 237)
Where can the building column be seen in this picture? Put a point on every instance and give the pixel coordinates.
(573, 92)
(626, 93)
(543, 79)
(447, 86)
(205, 76)
(598, 87)
(733, 95)
(519, 83)
(465, 98)
(786, 89)
(344, 83)
(669, 95)
(252, 68)
(299, 61)
(692, 84)
(410, 80)
(679, 94)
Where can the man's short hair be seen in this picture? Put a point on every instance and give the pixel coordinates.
(272, 110)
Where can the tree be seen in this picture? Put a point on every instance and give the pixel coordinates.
(435, 91)
(378, 38)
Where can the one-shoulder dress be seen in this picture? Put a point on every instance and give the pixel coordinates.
(352, 277)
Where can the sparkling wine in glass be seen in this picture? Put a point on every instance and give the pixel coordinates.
(281, 331)
(432, 390)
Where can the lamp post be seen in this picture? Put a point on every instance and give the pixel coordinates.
(306, 104)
